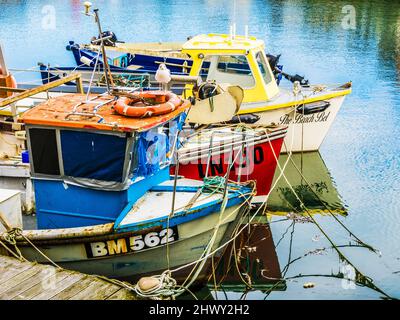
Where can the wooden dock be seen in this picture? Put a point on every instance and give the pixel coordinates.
(32, 281)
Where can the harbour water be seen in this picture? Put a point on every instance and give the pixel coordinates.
(317, 39)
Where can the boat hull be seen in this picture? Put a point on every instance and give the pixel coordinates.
(75, 254)
(259, 165)
(305, 132)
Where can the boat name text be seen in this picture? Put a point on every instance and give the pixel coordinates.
(300, 118)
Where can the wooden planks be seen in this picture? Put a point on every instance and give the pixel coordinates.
(32, 281)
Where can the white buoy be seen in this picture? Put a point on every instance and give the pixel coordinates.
(86, 61)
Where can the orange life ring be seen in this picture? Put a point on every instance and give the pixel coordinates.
(14, 82)
(135, 107)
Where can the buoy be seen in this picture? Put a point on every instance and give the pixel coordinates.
(134, 107)
(13, 82)
(86, 61)
(148, 283)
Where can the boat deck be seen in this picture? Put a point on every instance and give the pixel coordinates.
(32, 281)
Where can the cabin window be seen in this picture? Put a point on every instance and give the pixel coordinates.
(93, 156)
(229, 69)
(264, 67)
(44, 151)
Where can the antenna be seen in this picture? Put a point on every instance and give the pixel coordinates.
(107, 71)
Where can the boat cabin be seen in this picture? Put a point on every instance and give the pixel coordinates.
(89, 163)
(239, 61)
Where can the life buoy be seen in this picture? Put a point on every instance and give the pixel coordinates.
(14, 82)
(10, 82)
(136, 106)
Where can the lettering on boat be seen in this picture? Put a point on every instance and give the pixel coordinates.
(131, 244)
(300, 118)
(252, 156)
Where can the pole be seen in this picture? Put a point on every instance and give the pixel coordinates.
(107, 71)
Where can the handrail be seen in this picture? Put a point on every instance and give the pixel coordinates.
(31, 92)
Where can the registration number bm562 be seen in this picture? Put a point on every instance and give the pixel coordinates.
(131, 244)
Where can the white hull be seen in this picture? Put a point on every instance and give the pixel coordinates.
(305, 133)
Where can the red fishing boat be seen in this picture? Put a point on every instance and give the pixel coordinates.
(250, 153)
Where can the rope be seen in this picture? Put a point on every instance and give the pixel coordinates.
(10, 237)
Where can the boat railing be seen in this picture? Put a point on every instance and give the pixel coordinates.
(26, 93)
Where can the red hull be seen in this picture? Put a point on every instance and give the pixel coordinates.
(259, 165)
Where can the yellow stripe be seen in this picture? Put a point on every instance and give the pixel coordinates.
(9, 113)
(294, 103)
(322, 212)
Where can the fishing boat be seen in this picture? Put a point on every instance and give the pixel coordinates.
(105, 201)
(247, 153)
(308, 110)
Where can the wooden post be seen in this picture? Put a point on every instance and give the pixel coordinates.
(79, 85)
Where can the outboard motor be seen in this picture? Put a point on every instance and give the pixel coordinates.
(296, 77)
(207, 90)
(275, 67)
(273, 60)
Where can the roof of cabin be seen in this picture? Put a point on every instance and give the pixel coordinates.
(222, 42)
(57, 112)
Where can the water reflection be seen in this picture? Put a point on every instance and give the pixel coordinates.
(311, 182)
(251, 263)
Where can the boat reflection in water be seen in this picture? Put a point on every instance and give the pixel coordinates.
(312, 182)
(248, 263)
(252, 262)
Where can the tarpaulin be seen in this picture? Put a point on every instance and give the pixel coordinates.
(92, 155)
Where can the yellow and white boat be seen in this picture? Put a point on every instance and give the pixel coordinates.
(308, 110)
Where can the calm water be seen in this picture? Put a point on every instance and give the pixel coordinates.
(362, 148)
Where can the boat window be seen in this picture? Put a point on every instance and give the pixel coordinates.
(44, 151)
(264, 67)
(92, 155)
(229, 69)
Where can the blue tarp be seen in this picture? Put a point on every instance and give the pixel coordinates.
(93, 155)
(150, 152)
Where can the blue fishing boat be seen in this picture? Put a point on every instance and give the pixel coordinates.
(149, 56)
(105, 201)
